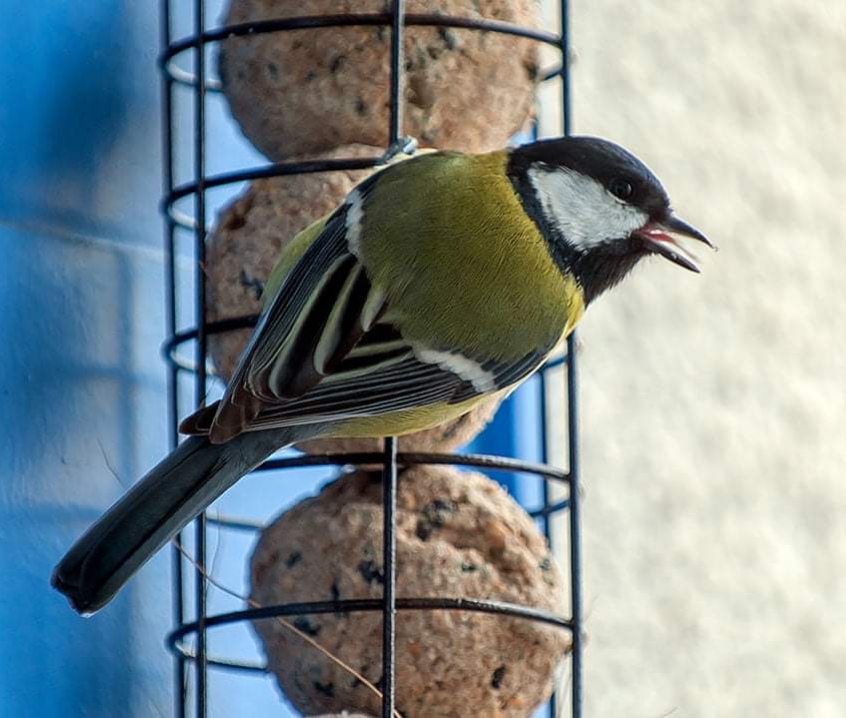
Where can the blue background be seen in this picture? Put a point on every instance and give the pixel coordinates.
(83, 405)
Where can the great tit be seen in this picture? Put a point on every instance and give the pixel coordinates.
(440, 280)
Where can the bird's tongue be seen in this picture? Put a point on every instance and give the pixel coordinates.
(658, 240)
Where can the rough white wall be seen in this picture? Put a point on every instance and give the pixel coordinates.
(713, 406)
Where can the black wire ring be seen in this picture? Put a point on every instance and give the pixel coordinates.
(353, 605)
(277, 169)
(309, 22)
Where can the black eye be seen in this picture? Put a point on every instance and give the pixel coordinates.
(621, 188)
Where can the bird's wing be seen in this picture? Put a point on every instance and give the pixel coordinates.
(395, 383)
(325, 347)
(323, 306)
(382, 374)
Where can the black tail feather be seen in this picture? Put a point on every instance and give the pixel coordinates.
(156, 508)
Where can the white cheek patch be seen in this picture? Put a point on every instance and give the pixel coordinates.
(582, 209)
(355, 213)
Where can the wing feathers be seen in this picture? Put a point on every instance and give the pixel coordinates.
(293, 370)
(401, 385)
(240, 405)
(345, 325)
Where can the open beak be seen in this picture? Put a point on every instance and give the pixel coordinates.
(658, 237)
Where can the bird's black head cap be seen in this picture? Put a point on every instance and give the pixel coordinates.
(592, 200)
(606, 162)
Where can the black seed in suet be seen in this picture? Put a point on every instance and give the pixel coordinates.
(326, 689)
(337, 63)
(433, 518)
(253, 284)
(370, 572)
(303, 624)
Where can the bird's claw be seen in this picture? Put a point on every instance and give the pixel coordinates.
(405, 145)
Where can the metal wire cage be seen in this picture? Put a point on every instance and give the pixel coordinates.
(188, 641)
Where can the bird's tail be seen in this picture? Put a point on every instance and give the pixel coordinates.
(156, 508)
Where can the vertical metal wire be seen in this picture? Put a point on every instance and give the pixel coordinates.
(575, 528)
(566, 117)
(546, 493)
(200, 664)
(389, 476)
(170, 320)
(398, 14)
(389, 609)
(170, 260)
(572, 423)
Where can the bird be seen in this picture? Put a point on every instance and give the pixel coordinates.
(441, 280)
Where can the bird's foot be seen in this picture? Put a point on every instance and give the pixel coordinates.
(401, 146)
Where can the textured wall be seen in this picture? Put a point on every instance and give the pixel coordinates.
(713, 406)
